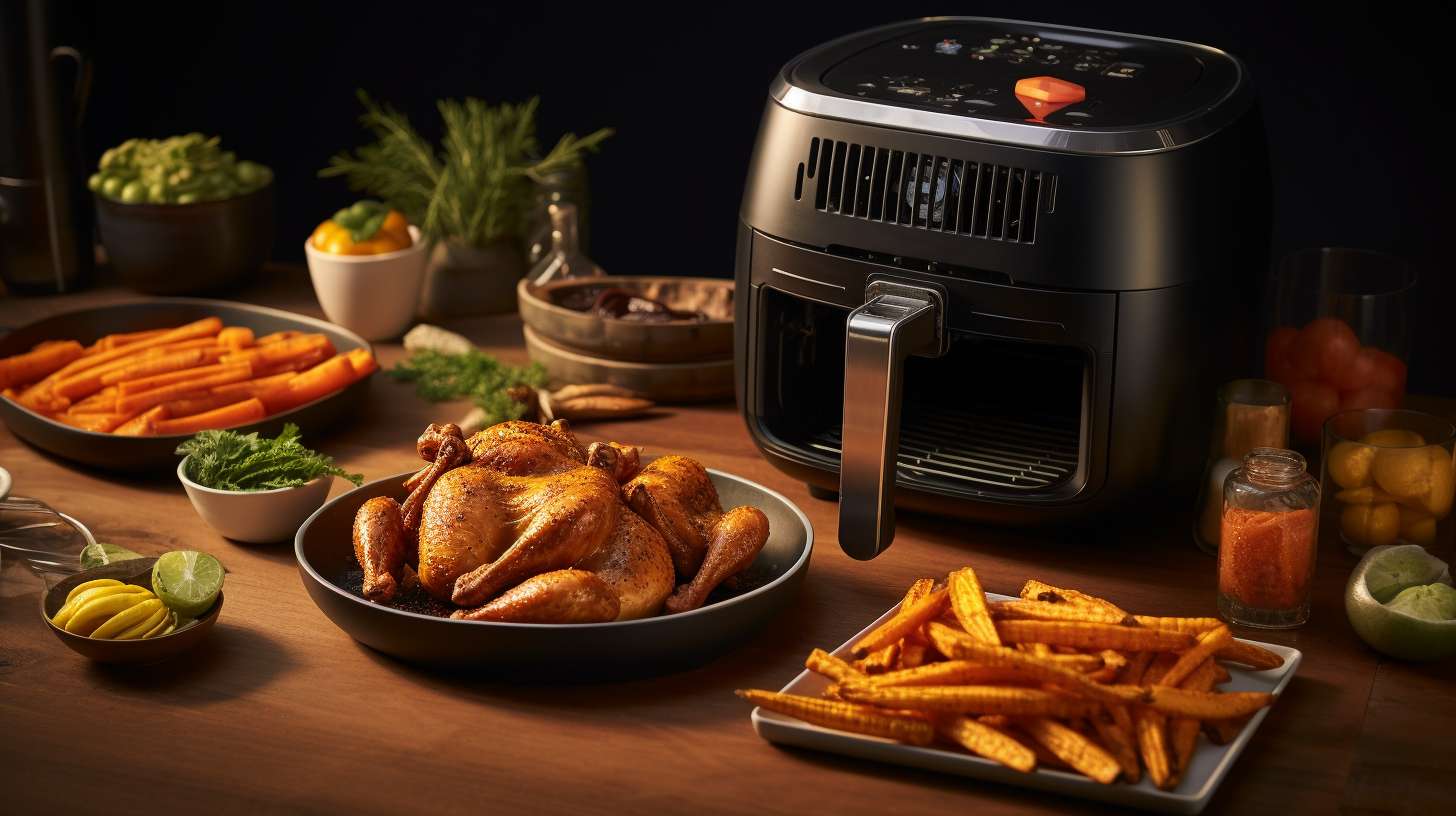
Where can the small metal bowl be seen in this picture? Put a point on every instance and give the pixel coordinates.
(135, 571)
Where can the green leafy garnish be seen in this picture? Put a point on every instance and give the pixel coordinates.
(227, 460)
(362, 220)
(480, 377)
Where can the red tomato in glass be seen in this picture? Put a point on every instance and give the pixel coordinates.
(1389, 373)
(1359, 373)
(1325, 347)
(1311, 403)
(1277, 350)
(1368, 398)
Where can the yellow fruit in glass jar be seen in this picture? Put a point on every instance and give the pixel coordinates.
(1394, 438)
(1417, 526)
(1370, 525)
(1403, 472)
(1350, 464)
(1363, 495)
(1443, 482)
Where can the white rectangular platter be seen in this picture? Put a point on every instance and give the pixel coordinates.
(1210, 763)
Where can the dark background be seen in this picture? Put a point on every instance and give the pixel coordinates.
(1351, 95)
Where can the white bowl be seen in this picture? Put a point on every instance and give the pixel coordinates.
(256, 516)
(374, 296)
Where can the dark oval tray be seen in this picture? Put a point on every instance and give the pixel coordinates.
(137, 453)
(575, 652)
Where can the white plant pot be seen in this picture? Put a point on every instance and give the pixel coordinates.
(374, 296)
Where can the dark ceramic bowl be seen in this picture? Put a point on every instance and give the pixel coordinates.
(579, 651)
(188, 249)
(135, 453)
(136, 571)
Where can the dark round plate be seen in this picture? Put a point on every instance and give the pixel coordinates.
(135, 571)
(135, 453)
(583, 651)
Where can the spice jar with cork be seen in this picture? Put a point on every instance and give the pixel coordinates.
(1267, 540)
(1251, 414)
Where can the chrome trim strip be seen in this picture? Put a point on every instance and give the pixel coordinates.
(806, 279)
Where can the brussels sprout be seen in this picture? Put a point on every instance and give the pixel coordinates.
(157, 193)
(133, 193)
(111, 187)
(187, 198)
(94, 182)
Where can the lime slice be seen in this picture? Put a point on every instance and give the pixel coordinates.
(1416, 624)
(187, 581)
(99, 555)
(1433, 602)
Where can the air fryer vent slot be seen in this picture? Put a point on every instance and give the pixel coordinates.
(936, 193)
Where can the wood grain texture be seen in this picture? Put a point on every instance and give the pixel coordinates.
(279, 711)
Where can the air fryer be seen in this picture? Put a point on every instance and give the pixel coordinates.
(989, 268)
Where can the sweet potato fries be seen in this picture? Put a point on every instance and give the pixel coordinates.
(1058, 678)
(181, 380)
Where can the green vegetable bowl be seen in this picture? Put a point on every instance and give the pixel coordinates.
(256, 516)
(178, 249)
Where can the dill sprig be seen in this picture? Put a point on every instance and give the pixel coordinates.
(475, 375)
(227, 460)
(479, 186)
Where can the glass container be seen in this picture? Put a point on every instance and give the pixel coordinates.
(1390, 476)
(1251, 414)
(1267, 540)
(1338, 334)
(565, 260)
(566, 186)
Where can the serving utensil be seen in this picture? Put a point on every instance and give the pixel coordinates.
(48, 542)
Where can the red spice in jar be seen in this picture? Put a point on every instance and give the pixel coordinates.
(1265, 557)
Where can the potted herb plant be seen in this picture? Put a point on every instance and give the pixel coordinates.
(471, 198)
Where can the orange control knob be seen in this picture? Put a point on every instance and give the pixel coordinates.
(1044, 95)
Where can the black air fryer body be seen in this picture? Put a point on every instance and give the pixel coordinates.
(982, 311)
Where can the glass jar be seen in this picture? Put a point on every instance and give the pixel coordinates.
(1267, 540)
(565, 260)
(1251, 414)
(1392, 478)
(565, 186)
(1338, 333)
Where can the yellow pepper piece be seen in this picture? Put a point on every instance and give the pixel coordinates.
(393, 235)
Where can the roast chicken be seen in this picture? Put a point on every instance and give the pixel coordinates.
(522, 523)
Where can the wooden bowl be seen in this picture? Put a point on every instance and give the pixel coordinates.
(661, 382)
(627, 340)
(136, 571)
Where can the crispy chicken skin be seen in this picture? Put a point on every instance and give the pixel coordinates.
(634, 562)
(521, 522)
(559, 596)
(676, 496)
(736, 540)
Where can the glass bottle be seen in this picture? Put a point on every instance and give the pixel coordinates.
(565, 260)
(1251, 414)
(1267, 540)
(565, 186)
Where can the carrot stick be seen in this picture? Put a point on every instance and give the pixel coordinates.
(287, 334)
(140, 384)
(157, 396)
(38, 364)
(102, 402)
(282, 351)
(142, 424)
(164, 364)
(198, 402)
(362, 361)
(235, 337)
(112, 341)
(97, 423)
(207, 327)
(239, 413)
(303, 363)
(324, 378)
(251, 388)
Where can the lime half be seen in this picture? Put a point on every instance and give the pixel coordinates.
(187, 581)
(1415, 622)
(99, 555)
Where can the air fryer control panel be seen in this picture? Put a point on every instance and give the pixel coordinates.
(973, 69)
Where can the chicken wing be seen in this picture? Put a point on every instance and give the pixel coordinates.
(736, 540)
(560, 596)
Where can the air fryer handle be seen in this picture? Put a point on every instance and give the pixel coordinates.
(897, 321)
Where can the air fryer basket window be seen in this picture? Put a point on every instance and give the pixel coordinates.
(991, 416)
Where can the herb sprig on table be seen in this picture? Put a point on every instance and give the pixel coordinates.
(483, 379)
(227, 460)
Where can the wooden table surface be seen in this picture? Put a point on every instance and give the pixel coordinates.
(279, 711)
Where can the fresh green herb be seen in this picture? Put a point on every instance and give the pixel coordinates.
(227, 460)
(480, 187)
(484, 379)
